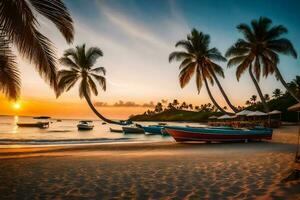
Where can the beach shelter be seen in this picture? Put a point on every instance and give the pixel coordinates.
(274, 112)
(213, 117)
(244, 113)
(257, 113)
(227, 117)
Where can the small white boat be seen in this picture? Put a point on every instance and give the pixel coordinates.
(85, 125)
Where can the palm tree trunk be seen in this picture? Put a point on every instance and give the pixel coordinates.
(279, 76)
(88, 100)
(266, 107)
(223, 93)
(212, 98)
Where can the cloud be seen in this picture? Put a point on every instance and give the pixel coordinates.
(121, 103)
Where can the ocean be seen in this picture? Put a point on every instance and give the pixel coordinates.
(65, 132)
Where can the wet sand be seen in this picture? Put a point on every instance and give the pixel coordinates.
(160, 170)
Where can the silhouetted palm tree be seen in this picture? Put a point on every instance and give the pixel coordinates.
(277, 93)
(248, 103)
(19, 26)
(175, 103)
(253, 99)
(258, 52)
(197, 58)
(80, 68)
(267, 97)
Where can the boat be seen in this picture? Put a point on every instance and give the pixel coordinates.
(116, 130)
(133, 130)
(85, 125)
(35, 124)
(153, 129)
(181, 134)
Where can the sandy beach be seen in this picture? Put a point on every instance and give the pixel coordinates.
(156, 170)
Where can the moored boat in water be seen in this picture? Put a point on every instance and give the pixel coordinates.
(181, 134)
(35, 124)
(85, 125)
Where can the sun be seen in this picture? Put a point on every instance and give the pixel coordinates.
(17, 106)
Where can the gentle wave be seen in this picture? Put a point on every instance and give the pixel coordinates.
(61, 141)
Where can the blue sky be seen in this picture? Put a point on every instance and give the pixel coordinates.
(137, 37)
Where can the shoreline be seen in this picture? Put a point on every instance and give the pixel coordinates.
(152, 170)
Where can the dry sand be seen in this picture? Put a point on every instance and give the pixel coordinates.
(163, 170)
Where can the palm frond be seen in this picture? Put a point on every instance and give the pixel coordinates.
(186, 74)
(19, 24)
(84, 88)
(66, 61)
(275, 32)
(215, 54)
(56, 11)
(92, 85)
(101, 80)
(98, 70)
(243, 66)
(236, 60)
(179, 55)
(186, 45)
(247, 32)
(217, 69)
(92, 55)
(10, 82)
(236, 51)
(283, 46)
(66, 80)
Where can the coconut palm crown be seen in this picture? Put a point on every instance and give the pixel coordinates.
(19, 27)
(259, 51)
(198, 58)
(80, 68)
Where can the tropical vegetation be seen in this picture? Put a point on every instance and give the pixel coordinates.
(19, 26)
(80, 68)
(258, 52)
(198, 58)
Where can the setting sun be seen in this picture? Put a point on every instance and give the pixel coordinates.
(17, 106)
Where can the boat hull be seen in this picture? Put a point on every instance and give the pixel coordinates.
(133, 130)
(153, 129)
(34, 125)
(116, 130)
(202, 135)
(84, 127)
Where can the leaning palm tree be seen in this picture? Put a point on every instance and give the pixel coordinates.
(19, 26)
(258, 52)
(80, 64)
(197, 58)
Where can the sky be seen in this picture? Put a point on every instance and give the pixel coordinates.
(136, 38)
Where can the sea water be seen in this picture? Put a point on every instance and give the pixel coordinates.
(66, 132)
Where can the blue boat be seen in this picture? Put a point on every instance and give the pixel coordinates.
(154, 129)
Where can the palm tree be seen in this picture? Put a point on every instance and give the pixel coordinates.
(294, 85)
(80, 68)
(277, 93)
(19, 26)
(191, 106)
(258, 52)
(175, 103)
(248, 103)
(158, 108)
(267, 97)
(253, 99)
(197, 58)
